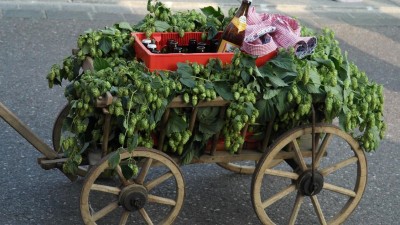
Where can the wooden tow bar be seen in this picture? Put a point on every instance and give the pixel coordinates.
(51, 159)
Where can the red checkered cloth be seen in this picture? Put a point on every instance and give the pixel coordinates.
(258, 40)
(267, 32)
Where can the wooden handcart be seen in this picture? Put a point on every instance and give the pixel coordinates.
(298, 171)
(307, 163)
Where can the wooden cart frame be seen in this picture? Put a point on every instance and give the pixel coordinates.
(307, 176)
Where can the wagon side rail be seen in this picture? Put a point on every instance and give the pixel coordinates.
(213, 157)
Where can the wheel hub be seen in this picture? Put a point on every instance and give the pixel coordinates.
(309, 186)
(133, 197)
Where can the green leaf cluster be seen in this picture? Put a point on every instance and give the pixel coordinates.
(283, 91)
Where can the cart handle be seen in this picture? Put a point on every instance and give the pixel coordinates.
(26, 133)
(31, 137)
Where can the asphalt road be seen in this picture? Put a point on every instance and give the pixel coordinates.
(31, 195)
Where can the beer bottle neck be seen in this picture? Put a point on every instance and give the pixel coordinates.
(244, 8)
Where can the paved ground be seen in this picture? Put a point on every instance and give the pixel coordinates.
(367, 12)
(35, 35)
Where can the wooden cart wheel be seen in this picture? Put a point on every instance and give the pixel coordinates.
(56, 137)
(57, 127)
(154, 196)
(241, 167)
(327, 197)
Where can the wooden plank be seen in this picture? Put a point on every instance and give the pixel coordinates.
(296, 208)
(225, 156)
(278, 196)
(265, 142)
(318, 210)
(340, 190)
(163, 129)
(284, 174)
(154, 183)
(106, 189)
(161, 200)
(43, 161)
(193, 118)
(291, 155)
(216, 136)
(104, 101)
(106, 210)
(106, 134)
(299, 155)
(178, 103)
(328, 170)
(145, 216)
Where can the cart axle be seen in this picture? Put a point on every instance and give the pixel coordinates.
(133, 197)
(310, 185)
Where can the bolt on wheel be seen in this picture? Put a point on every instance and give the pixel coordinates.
(153, 196)
(285, 190)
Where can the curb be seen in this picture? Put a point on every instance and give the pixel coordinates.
(128, 9)
(141, 4)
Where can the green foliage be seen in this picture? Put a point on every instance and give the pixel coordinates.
(160, 18)
(330, 82)
(282, 91)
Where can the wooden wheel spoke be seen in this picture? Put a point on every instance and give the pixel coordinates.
(335, 167)
(296, 208)
(287, 147)
(317, 137)
(124, 218)
(275, 162)
(318, 210)
(147, 159)
(322, 149)
(154, 183)
(281, 173)
(106, 189)
(339, 190)
(298, 155)
(289, 189)
(145, 216)
(121, 176)
(104, 211)
(161, 200)
(143, 172)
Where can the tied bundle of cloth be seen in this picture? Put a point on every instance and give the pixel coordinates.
(265, 33)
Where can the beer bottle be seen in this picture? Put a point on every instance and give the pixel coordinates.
(200, 49)
(192, 46)
(233, 35)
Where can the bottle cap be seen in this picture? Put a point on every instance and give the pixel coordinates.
(178, 50)
(148, 41)
(200, 49)
(145, 42)
(170, 41)
(151, 46)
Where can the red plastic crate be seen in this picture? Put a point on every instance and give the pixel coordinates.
(169, 61)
